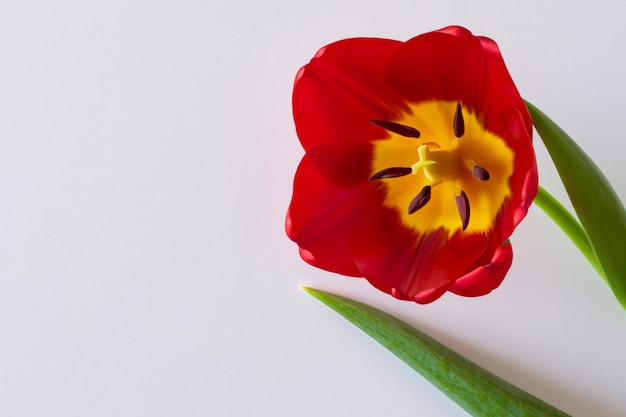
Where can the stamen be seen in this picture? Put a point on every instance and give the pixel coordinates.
(459, 124)
(407, 131)
(420, 200)
(392, 172)
(462, 204)
(480, 173)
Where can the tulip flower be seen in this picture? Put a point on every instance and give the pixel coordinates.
(418, 163)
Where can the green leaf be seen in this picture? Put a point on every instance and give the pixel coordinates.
(598, 207)
(475, 389)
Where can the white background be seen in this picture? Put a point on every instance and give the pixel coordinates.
(147, 153)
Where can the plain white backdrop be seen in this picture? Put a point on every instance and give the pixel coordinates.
(147, 153)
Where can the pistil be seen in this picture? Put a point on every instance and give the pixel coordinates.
(423, 162)
(436, 164)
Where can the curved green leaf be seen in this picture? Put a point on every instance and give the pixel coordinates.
(598, 207)
(475, 389)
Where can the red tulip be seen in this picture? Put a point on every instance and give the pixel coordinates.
(418, 166)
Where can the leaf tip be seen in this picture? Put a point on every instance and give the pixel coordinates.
(315, 293)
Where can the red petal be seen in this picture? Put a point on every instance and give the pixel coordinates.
(455, 30)
(411, 266)
(336, 216)
(345, 164)
(500, 90)
(322, 217)
(485, 278)
(341, 89)
(430, 66)
(510, 124)
(452, 64)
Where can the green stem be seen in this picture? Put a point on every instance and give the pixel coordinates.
(570, 226)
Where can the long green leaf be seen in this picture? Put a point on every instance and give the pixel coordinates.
(478, 391)
(598, 207)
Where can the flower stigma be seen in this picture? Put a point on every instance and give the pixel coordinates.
(438, 164)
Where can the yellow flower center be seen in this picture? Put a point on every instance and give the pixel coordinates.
(442, 169)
